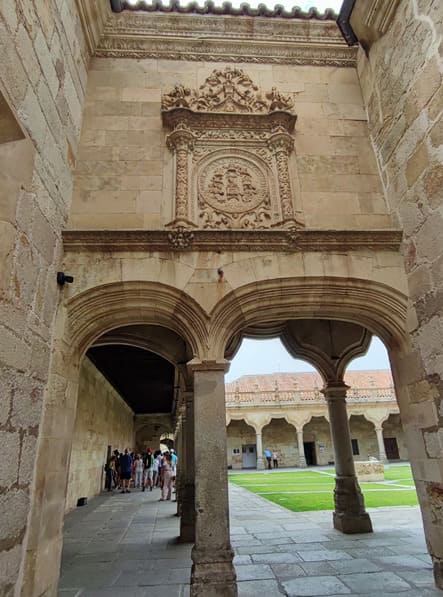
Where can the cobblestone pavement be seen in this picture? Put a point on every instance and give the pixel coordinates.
(125, 546)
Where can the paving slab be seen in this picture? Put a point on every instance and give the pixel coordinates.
(126, 546)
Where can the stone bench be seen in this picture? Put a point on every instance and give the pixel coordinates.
(370, 471)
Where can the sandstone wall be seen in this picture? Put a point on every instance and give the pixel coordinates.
(281, 436)
(42, 87)
(103, 419)
(392, 428)
(402, 83)
(124, 174)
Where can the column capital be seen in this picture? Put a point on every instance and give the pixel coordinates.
(335, 390)
(209, 365)
(181, 138)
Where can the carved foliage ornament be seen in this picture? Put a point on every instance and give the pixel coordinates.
(230, 90)
(232, 145)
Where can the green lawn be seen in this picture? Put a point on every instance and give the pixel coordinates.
(303, 491)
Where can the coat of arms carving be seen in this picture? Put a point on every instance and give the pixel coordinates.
(232, 146)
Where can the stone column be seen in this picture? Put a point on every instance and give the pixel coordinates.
(381, 444)
(281, 143)
(179, 450)
(349, 515)
(181, 140)
(213, 573)
(301, 449)
(187, 520)
(259, 445)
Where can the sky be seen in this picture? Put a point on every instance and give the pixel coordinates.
(321, 5)
(270, 356)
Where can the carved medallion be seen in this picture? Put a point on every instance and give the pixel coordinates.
(232, 185)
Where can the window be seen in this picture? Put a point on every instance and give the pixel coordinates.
(355, 449)
(236, 450)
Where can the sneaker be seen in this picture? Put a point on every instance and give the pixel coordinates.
(128, 491)
(143, 488)
(122, 491)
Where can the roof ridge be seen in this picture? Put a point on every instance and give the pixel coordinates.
(209, 7)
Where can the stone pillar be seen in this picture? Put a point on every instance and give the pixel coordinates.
(281, 143)
(187, 496)
(301, 449)
(349, 515)
(381, 445)
(259, 444)
(213, 573)
(179, 450)
(181, 140)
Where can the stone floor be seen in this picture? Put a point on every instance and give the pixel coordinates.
(124, 546)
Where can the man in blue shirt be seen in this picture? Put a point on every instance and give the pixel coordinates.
(268, 457)
(125, 470)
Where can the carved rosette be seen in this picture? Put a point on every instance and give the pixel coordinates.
(281, 144)
(181, 141)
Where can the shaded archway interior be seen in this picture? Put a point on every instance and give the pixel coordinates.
(140, 362)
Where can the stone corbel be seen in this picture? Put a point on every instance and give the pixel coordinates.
(181, 142)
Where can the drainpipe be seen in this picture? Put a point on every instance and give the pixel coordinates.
(343, 22)
(116, 5)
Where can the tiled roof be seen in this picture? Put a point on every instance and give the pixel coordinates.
(209, 7)
(307, 381)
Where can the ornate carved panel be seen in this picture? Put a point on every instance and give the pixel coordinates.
(232, 145)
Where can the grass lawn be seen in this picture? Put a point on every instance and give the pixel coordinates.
(303, 491)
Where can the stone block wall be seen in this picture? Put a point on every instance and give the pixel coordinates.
(392, 428)
(125, 171)
(402, 83)
(42, 87)
(318, 431)
(363, 431)
(238, 434)
(281, 437)
(103, 419)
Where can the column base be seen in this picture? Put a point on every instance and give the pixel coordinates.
(302, 462)
(213, 579)
(260, 464)
(187, 521)
(352, 523)
(437, 564)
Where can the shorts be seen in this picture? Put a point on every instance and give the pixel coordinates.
(125, 475)
(148, 474)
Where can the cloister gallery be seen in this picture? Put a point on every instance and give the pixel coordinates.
(174, 179)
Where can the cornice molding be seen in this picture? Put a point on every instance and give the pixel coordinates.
(232, 240)
(93, 17)
(224, 39)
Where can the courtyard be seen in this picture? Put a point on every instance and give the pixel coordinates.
(125, 545)
(312, 489)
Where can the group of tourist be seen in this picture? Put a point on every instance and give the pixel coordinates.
(142, 471)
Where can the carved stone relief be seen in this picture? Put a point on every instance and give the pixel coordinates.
(232, 144)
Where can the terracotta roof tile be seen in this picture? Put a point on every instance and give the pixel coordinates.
(307, 381)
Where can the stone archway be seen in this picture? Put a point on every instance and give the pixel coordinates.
(241, 445)
(80, 322)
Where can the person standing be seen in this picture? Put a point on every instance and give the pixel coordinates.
(138, 468)
(268, 456)
(275, 459)
(125, 471)
(148, 470)
(167, 474)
